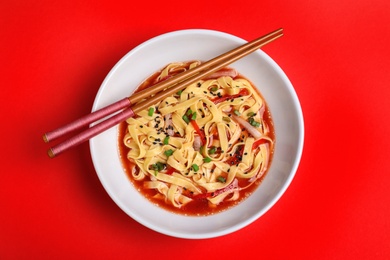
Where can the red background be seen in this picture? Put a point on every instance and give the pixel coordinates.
(54, 56)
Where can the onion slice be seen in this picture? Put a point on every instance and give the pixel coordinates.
(197, 143)
(251, 129)
(168, 124)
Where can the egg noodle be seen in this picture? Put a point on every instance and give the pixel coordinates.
(209, 141)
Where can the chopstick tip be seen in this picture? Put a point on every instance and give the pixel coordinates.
(45, 139)
(51, 153)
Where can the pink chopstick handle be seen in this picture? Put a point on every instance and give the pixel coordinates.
(86, 120)
(91, 132)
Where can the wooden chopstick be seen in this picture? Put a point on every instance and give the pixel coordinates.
(158, 92)
(103, 112)
(257, 43)
(222, 63)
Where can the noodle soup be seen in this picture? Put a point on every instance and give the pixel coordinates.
(202, 150)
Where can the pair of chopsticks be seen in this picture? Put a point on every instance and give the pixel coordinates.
(130, 106)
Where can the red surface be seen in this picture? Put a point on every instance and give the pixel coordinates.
(54, 56)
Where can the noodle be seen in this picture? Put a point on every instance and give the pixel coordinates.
(210, 141)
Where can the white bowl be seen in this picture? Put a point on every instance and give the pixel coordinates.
(185, 45)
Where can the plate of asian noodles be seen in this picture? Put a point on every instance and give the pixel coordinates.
(212, 157)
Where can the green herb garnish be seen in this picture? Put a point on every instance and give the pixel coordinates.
(186, 119)
(221, 179)
(212, 150)
(253, 122)
(250, 114)
(159, 166)
(207, 159)
(151, 111)
(226, 119)
(195, 167)
(168, 152)
(193, 116)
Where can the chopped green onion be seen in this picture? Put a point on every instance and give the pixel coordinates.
(226, 119)
(189, 112)
(186, 119)
(179, 92)
(166, 140)
(159, 166)
(221, 179)
(253, 122)
(250, 114)
(212, 150)
(193, 116)
(151, 111)
(236, 112)
(168, 152)
(195, 167)
(214, 88)
(207, 159)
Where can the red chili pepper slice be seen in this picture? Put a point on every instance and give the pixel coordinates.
(237, 156)
(198, 131)
(170, 170)
(243, 92)
(258, 142)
